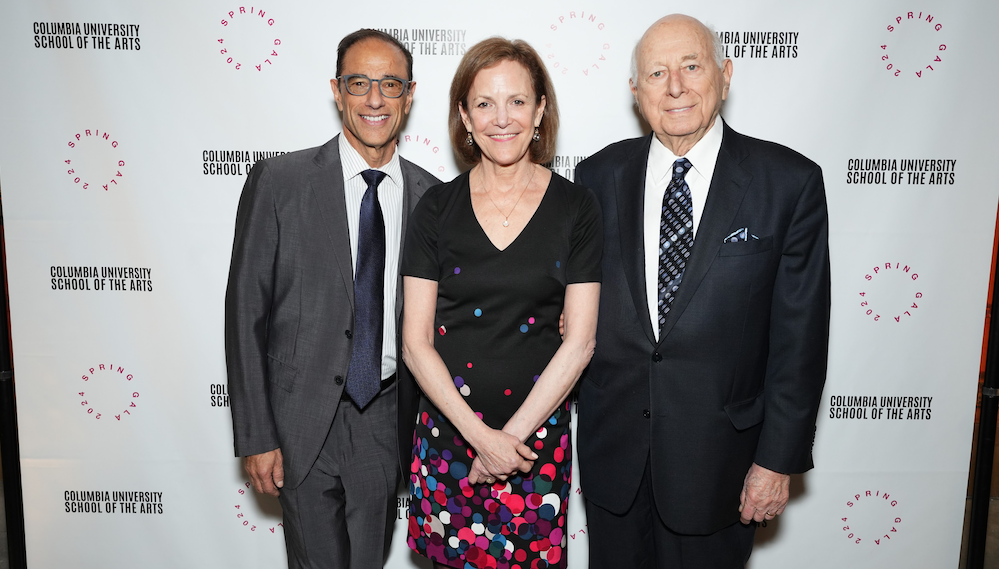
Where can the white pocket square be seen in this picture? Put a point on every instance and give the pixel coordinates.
(741, 234)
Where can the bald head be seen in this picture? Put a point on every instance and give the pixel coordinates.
(679, 81)
(716, 44)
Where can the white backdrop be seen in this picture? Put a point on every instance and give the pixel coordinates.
(126, 129)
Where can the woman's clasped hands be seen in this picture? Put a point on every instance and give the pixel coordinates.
(499, 455)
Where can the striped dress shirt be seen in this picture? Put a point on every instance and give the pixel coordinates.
(390, 200)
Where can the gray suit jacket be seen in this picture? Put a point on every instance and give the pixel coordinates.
(289, 307)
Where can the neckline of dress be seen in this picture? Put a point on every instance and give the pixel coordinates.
(468, 183)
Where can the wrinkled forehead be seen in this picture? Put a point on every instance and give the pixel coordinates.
(674, 41)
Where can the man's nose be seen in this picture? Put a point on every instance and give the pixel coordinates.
(375, 99)
(674, 84)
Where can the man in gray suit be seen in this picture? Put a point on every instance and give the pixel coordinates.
(322, 414)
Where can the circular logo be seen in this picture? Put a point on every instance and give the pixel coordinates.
(428, 154)
(252, 517)
(108, 392)
(891, 293)
(93, 160)
(913, 45)
(576, 44)
(249, 40)
(872, 517)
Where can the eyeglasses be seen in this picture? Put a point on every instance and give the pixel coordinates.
(390, 87)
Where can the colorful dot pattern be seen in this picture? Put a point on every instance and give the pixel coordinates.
(514, 524)
(497, 317)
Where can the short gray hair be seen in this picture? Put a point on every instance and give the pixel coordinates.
(716, 43)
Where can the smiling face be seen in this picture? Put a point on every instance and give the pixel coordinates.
(679, 86)
(502, 112)
(371, 122)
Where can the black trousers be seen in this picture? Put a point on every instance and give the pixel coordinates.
(639, 539)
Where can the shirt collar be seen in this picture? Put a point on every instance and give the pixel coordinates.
(353, 163)
(702, 156)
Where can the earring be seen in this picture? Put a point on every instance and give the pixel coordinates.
(468, 139)
(537, 134)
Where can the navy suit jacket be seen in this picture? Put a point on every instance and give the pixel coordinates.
(737, 373)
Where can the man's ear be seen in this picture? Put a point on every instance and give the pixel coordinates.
(334, 84)
(727, 76)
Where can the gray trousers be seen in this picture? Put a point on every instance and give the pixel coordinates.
(342, 514)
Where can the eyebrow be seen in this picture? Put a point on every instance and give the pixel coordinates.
(385, 76)
(513, 96)
(687, 57)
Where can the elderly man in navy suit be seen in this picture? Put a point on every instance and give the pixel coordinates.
(701, 398)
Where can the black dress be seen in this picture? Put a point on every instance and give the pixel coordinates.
(497, 329)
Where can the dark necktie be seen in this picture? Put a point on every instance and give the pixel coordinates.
(365, 372)
(676, 237)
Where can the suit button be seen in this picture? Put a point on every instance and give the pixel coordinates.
(646, 414)
(348, 334)
(338, 379)
(657, 357)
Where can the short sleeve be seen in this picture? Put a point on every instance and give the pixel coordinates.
(419, 257)
(587, 241)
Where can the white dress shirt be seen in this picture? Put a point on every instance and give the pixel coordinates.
(390, 200)
(658, 175)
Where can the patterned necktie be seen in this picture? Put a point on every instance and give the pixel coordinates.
(676, 237)
(365, 372)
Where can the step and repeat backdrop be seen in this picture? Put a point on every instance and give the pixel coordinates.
(127, 130)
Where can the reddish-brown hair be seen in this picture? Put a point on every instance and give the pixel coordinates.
(488, 53)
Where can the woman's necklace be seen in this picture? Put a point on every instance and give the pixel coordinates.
(506, 216)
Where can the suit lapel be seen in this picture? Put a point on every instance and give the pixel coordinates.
(728, 188)
(630, 182)
(327, 187)
(412, 189)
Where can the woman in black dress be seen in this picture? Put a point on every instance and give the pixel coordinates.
(492, 259)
